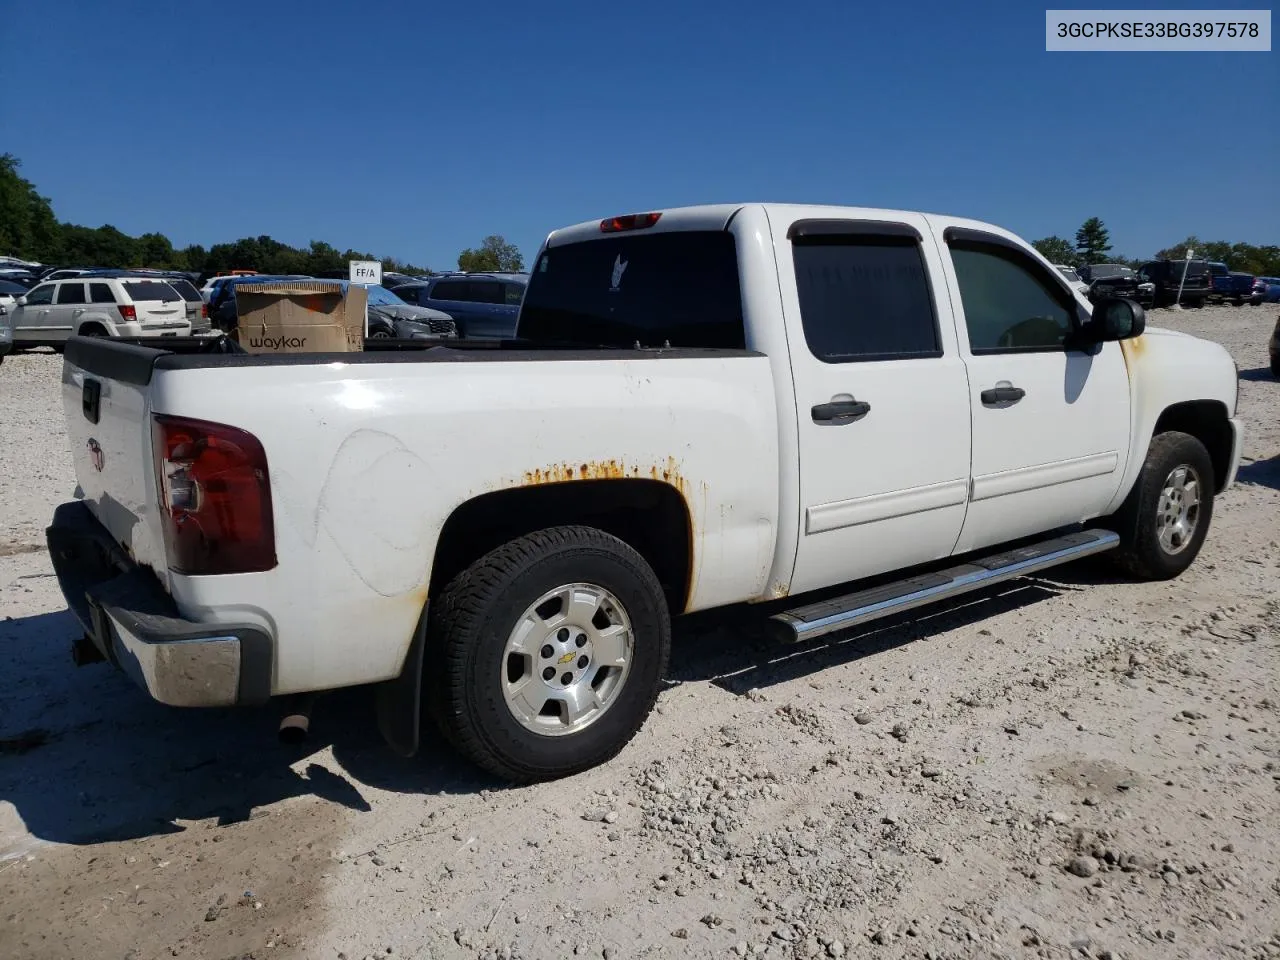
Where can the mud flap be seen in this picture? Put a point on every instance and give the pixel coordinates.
(399, 701)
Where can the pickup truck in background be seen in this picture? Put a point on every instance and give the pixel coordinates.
(1231, 286)
(835, 414)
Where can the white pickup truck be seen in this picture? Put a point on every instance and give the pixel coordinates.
(705, 406)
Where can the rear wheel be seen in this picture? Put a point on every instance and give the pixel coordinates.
(547, 653)
(1164, 520)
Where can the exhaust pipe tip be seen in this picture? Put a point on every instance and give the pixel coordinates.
(294, 728)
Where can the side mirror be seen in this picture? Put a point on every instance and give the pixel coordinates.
(21, 301)
(1117, 318)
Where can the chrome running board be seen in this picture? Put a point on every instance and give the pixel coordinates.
(818, 619)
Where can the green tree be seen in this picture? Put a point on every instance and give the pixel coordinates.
(494, 255)
(1093, 241)
(28, 227)
(1057, 250)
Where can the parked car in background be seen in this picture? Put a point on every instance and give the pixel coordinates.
(211, 284)
(483, 305)
(222, 303)
(1109, 280)
(391, 280)
(197, 309)
(10, 292)
(20, 275)
(1265, 290)
(97, 307)
(392, 318)
(1273, 348)
(6, 332)
(1230, 285)
(64, 273)
(1073, 278)
(1167, 275)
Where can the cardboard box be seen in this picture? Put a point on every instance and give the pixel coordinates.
(301, 316)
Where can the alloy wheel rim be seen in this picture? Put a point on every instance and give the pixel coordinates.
(1178, 510)
(567, 659)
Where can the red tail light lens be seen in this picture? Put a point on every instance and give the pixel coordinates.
(632, 221)
(204, 311)
(127, 312)
(215, 497)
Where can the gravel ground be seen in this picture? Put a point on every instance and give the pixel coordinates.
(1066, 766)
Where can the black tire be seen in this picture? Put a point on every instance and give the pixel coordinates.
(471, 620)
(1275, 366)
(1141, 553)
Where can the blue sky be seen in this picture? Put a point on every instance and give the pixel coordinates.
(413, 130)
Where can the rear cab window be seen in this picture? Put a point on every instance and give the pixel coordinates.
(677, 288)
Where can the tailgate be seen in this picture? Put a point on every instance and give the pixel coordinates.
(108, 415)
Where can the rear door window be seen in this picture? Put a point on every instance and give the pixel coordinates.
(451, 290)
(487, 291)
(865, 297)
(515, 293)
(679, 288)
(71, 293)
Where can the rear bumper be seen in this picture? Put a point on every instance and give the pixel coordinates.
(135, 624)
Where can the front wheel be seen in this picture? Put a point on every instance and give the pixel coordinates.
(1164, 520)
(546, 654)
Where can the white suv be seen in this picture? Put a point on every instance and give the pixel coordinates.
(98, 307)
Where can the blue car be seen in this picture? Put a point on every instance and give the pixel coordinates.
(483, 305)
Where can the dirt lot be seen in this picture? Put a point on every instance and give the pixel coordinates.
(1069, 765)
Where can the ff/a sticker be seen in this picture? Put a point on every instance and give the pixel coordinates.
(619, 266)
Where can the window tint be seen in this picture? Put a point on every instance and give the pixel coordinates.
(1008, 304)
(410, 293)
(515, 293)
(185, 289)
(146, 290)
(679, 287)
(41, 295)
(487, 291)
(451, 290)
(864, 298)
(71, 293)
(100, 293)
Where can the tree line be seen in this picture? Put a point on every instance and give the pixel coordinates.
(29, 230)
(1093, 245)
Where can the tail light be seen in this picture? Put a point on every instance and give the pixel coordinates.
(632, 221)
(127, 312)
(215, 497)
(204, 311)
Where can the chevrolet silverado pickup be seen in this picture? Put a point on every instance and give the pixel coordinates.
(835, 414)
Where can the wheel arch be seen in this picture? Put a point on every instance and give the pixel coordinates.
(1208, 422)
(651, 516)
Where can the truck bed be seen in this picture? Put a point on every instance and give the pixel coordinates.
(134, 359)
